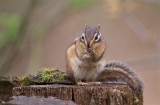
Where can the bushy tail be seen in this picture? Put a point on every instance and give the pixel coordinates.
(118, 72)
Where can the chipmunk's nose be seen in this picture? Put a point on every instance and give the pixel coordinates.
(88, 46)
(89, 49)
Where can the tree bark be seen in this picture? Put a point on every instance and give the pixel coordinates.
(109, 94)
(5, 89)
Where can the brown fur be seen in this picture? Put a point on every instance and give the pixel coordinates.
(70, 55)
(94, 68)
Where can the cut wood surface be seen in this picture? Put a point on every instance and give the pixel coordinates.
(108, 94)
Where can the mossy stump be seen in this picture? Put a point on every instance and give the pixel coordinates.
(108, 94)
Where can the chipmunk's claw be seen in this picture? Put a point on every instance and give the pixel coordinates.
(88, 83)
(136, 100)
(82, 83)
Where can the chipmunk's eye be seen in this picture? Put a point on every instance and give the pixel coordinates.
(82, 37)
(97, 37)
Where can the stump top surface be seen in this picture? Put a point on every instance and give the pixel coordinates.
(76, 86)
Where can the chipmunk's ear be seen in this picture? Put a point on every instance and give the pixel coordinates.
(98, 27)
(86, 26)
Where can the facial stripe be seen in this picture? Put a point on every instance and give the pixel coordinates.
(96, 37)
(91, 43)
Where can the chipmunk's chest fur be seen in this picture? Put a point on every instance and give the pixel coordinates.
(86, 71)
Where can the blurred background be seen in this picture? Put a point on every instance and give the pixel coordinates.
(36, 34)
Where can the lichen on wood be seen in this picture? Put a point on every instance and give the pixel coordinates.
(44, 76)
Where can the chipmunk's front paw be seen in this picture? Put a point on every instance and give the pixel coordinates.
(136, 100)
(82, 83)
(94, 83)
(88, 83)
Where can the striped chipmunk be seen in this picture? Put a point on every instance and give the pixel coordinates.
(85, 63)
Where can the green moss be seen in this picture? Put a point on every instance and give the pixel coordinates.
(25, 81)
(52, 75)
(46, 75)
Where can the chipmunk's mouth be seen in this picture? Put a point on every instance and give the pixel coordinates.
(88, 55)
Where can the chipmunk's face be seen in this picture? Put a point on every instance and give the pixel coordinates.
(90, 45)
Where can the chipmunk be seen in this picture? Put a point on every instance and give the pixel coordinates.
(85, 62)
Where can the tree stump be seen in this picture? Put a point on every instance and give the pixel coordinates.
(6, 85)
(108, 94)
